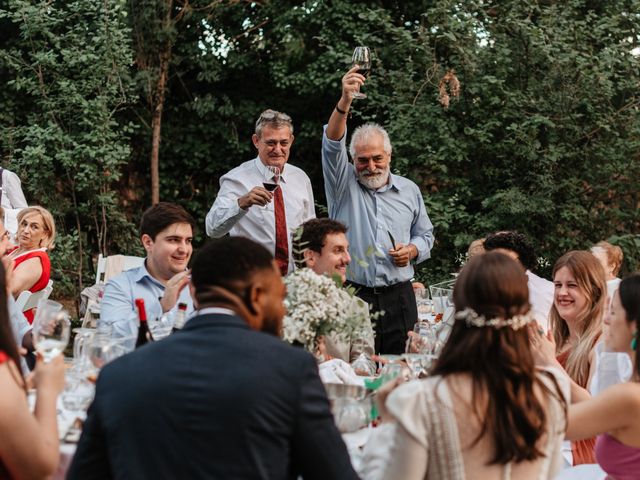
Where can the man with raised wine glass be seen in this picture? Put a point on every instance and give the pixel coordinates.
(389, 229)
(245, 207)
(323, 247)
(166, 232)
(222, 398)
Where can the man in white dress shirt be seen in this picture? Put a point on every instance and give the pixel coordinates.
(244, 207)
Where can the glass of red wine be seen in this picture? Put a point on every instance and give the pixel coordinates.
(271, 179)
(361, 58)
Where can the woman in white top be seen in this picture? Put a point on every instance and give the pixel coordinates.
(486, 412)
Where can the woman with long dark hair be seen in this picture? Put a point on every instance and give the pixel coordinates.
(486, 411)
(28, 442)
(614, 414)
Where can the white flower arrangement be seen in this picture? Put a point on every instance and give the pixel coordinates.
(317, 305)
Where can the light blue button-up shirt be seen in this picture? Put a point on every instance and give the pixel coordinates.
(118, 309)
(370, 215)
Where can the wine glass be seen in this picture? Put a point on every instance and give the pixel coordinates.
(271, 179)
(422, 339)
(362, 58)
(51, 332)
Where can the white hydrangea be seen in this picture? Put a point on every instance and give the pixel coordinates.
(317, 305)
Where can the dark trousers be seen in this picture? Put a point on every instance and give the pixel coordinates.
(400, 314)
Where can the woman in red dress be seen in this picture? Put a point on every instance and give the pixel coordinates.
(32, 268)
(28, 441)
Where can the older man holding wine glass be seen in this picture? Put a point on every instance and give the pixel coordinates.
(265, 198)
(389, 229)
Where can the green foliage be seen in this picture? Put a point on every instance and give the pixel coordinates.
(67, 71)
(544, 137)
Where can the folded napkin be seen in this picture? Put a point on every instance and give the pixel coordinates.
(339, 371)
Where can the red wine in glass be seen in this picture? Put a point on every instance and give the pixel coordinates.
(271, 187)
(361, 58)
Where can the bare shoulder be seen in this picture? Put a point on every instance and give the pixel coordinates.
(31, 264)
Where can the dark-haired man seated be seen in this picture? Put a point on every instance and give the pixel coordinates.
(541, 291)
(166, 232)
(224, 398)
(324, 248)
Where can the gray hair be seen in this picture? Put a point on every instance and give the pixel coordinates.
(273, 119)
(364, 133)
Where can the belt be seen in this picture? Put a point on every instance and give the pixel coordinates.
(379, 290)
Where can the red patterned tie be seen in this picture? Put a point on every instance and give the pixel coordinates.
(282, 240)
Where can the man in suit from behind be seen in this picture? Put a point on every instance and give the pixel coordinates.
(222, 398)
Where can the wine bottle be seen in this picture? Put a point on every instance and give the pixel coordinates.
(180, 318)
(144, 335)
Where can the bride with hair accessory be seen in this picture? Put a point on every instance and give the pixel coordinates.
(486, 411)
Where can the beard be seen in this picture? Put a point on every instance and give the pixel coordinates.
(373, 181)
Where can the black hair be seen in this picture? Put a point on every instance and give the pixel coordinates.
(516, 242)
(228, 260)
(629, 291)
(162, 215)
(312, 235)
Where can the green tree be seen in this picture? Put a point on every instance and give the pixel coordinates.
(66, 76)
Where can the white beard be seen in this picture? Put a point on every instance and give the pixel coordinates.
(376, 181)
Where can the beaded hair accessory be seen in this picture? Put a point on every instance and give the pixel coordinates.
(516, 322)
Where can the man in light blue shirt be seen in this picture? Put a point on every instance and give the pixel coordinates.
(389, 228)
(166, 232)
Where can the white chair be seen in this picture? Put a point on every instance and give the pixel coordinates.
(27, 300)
(113, 265)
(106, 268)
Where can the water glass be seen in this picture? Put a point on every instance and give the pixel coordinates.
(51, 329)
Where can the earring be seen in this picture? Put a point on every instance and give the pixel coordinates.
(634, 343)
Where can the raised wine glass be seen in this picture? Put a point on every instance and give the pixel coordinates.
(51, 333)
(361, 58)
(271, 180)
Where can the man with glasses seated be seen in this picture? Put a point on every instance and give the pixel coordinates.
(244, 207)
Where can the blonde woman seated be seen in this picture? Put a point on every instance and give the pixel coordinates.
(576, 325)
(28, 442)
(610, 257)
(614, 415)
(32, 268)
(485, 412)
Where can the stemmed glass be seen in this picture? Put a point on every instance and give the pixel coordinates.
(361, 58)
(271, 180)
(51, 329)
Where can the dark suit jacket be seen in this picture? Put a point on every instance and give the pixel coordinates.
(215, 400)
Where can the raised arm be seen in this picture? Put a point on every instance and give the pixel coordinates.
(351, 82)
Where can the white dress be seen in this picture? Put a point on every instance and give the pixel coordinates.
(424, 442)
